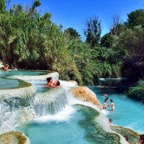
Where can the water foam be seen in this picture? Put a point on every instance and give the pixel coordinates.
(64, 115)
(73, 101)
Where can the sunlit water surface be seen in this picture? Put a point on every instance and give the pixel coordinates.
(8, 83)
(69, 126)
(128, 113)
(63, 128)
(21, 72)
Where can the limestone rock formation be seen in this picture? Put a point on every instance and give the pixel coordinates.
(54, 75)
(85, 94)
(13, 138)
(132, 136)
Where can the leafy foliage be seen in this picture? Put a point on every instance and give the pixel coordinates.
(136, 18)
(137, 92)
(72, 33)
(29, 40)
(93, 32)
(107, 40)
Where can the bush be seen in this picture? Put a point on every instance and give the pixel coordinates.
(137, 92)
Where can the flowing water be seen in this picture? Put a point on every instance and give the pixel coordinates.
(21, 72)
(72, 125)
(50, 118)
(8, 83)
(128, 113)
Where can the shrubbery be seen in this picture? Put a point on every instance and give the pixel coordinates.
(137, 92)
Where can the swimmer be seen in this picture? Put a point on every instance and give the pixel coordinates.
(105, 95)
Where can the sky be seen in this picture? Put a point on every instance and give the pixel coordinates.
(75, 13)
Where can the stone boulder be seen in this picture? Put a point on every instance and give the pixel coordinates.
(13, 138)
(85, 94)
(132, 136)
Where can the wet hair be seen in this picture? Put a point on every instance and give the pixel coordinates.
(48, 79)
(106, 99)
(58, 83)
(111, 100)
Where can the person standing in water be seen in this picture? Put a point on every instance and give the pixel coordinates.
(105, 103)
(112, 105)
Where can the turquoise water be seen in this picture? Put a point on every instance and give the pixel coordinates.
(8, 83)
(21, 72)
(12, 83)
(55, 132)
(128, 113)
(79, 128)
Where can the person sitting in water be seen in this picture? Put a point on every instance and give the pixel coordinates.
(6, 67)
(52, 84)
(49, 81)
(56, 83)
(112, 105)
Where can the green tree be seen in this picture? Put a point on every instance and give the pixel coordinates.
(2, 6)
(131, 44)
(107, 40)
(137, 92)
(93, 32)
(118, 27)
(135, 18)
(72, 33)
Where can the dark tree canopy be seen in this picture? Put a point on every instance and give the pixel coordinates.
(136, 18)
(107, 40)
(72, 32)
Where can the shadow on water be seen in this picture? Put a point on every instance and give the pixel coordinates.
(108, 90)
(93, 132)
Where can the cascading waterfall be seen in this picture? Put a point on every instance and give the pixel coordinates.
(50, 102)
(24, 104)
(20, 108)
(11, 114)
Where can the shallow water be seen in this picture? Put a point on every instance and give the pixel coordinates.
(74, 127)
(55, 131)
(75, 124)
(128, 113)
(21, 72)
(8, 83)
